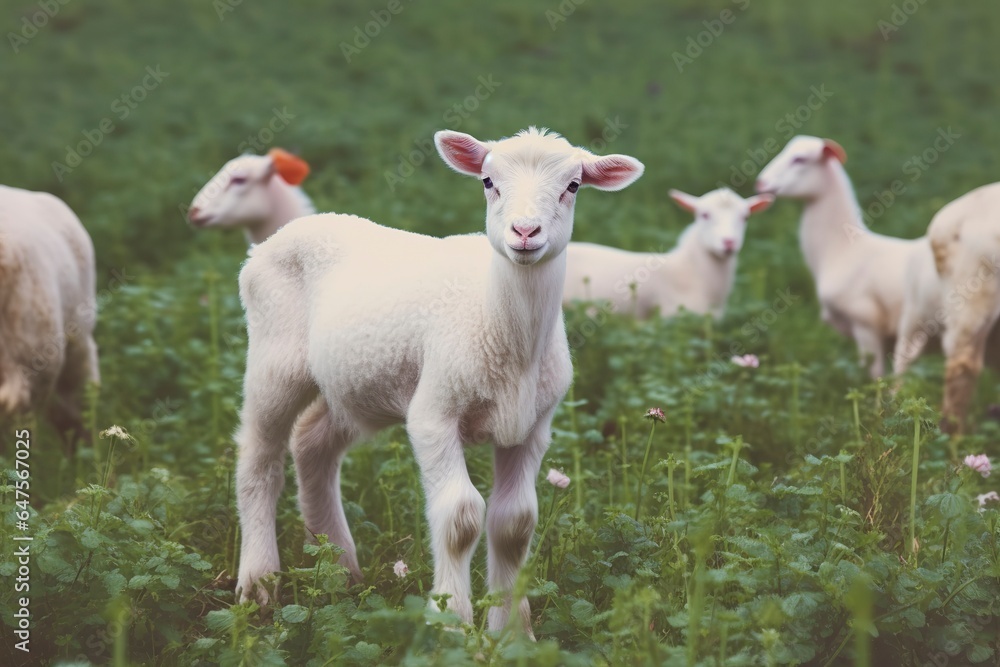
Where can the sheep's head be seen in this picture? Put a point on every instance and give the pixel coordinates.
(721, 217)
(799, 170)
(530, 182)
(238, 195)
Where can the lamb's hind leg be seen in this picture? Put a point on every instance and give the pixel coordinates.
(273, 398)
(79, 368)
(964, 344)
(318, 447)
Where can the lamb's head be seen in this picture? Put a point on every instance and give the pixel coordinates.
(530, 182)
(800, 170)
(239, 194)
(721, 217)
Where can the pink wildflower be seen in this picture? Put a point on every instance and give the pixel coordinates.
(655, 414)
(980, 463)
(557, 478)
(746, 361)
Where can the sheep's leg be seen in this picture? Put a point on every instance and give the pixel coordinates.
(511, 520)
(974, 296)
(15, 387)
(964, 344)
(870, 344)
(910, 343)
(454, 506)
(272, 400)
(318, 447)
(79, 368)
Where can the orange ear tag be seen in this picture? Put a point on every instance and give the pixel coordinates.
(292, 169)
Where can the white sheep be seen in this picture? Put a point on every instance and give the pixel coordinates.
(965, 238)
(48, 309)
(461, 338)
(696, 275)
(258, 193)
(859, 274)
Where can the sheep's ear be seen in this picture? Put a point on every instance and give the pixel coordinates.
(462, 152)
(684, 200)
(832, 149)
(760, 203)
(611, 172)
(292, 169)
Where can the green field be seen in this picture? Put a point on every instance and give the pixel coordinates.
(774, 522)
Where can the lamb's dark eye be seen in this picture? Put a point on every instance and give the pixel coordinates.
(237, 180)
(573, 187)
(487, 183)
(798, 160)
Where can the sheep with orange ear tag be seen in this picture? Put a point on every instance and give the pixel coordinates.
(861, 277)
(256, 193)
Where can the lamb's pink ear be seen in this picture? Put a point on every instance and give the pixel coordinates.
(462, 152)
(832, 149)
(760, 203)
(611, 172)
(684, 200)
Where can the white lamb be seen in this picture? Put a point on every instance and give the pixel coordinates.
(965, 237)
(461, 338)
(859, 274)
(48, 308)
(258, 193)
(696, 275)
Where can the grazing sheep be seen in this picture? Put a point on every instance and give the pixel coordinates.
(461, 338)
(48, 308)
(965, 237)
(696, 275)
(859, 274)
(259, 193)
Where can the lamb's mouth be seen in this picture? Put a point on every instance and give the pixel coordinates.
(522, 255)
(201, 222)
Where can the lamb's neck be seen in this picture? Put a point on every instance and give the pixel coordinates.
(715, 273)
(832, 221)
(524, 306)
(289, 203)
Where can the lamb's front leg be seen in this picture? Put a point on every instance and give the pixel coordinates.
(511, 519)
(870, 343)
(454, 506)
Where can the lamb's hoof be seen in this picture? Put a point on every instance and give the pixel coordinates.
(15, 397)
(260, 590)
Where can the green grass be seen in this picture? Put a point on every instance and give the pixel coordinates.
(792, 550)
